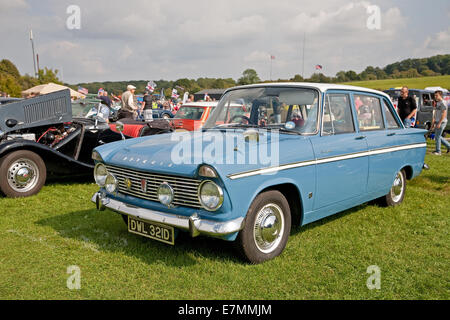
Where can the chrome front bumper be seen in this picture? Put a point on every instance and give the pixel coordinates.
(193, 224)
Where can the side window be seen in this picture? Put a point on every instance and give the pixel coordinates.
(337, 117)
(427, 100)
(390, 118)
(369, 113)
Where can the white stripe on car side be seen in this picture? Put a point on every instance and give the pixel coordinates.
(324, 160)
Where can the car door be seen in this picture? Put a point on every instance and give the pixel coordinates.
(425, 111)
(383, 133)
(341, 153)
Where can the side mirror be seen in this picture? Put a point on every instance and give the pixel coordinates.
(120, 128)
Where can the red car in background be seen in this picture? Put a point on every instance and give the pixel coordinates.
(192, 116)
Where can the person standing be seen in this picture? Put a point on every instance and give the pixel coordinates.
(439, 122)
(147, 106)
(129, 108)
(407, 107)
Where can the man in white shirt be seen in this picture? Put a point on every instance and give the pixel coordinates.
(129, 108)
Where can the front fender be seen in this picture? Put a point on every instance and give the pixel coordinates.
(56, 162)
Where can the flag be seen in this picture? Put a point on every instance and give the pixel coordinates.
(272, 57)
(83, 90)
(319, 67)
(151, 86)
(180, 87)
(175, 93)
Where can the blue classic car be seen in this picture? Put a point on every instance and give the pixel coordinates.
(299, 152)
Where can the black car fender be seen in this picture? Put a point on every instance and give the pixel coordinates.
(56, 162)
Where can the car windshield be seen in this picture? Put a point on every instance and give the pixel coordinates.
(88, 108)
(190, 112)
(293, 109)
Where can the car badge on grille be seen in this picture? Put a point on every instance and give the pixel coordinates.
(144, 185)
(128, 184)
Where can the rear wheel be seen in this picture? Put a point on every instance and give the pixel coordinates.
(267, 227)
(397, 192)
(22, 174)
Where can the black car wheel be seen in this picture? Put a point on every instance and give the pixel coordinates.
(267, 227)
(22, 174)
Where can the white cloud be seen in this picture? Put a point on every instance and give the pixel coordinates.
(439, 42)
(143, 39)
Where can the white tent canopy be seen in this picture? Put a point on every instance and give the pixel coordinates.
(49, 88)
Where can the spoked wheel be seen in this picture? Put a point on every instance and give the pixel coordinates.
(397, 192)
(267, 227)
(22, 174)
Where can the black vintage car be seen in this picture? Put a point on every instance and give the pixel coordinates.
(39, 137)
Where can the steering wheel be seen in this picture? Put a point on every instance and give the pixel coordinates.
(238, 116)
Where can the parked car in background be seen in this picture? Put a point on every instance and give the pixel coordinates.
(161, 113)
(192, 116)
(328, 156)
(48, 136)
(424, 101)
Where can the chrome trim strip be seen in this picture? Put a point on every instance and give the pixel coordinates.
(193, 224)
(324, 160)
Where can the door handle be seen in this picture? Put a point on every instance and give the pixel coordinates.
(391, 134)
(360, 138)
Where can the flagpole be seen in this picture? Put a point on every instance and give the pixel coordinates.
(271, 68)
(32, 48)
(303, 59)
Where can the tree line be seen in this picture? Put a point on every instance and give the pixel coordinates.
(13, 83)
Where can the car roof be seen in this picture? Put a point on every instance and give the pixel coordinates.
(322, 87)
(201, 104)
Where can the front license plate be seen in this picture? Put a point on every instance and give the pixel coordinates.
(152, 230)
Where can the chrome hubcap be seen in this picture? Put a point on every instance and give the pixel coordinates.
(23, 175)
(269, 228)
(397, 188)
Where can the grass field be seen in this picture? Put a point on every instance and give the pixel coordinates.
(43, 235)
(416, 83)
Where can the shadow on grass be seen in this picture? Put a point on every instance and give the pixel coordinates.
(300, 229)
(106, 232)
(434, 178)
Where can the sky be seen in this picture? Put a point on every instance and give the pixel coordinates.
(152, 40)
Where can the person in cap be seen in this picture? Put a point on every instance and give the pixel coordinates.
(129, 108)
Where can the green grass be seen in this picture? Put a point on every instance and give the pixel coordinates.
(42, 235)
(413, 83)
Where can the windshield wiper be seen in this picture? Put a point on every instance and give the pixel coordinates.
(283, 130)
(235, 125)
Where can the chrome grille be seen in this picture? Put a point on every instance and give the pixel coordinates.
(185, 189)
(45, 110)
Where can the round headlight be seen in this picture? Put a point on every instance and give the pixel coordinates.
(165, 194)
(210, 195)
(110, 183)
(100, 174)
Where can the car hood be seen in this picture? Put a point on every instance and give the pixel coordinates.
(180, 153)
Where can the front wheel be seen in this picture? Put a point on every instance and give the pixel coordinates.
(267, 227)
(22, 174)
(397, 192)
